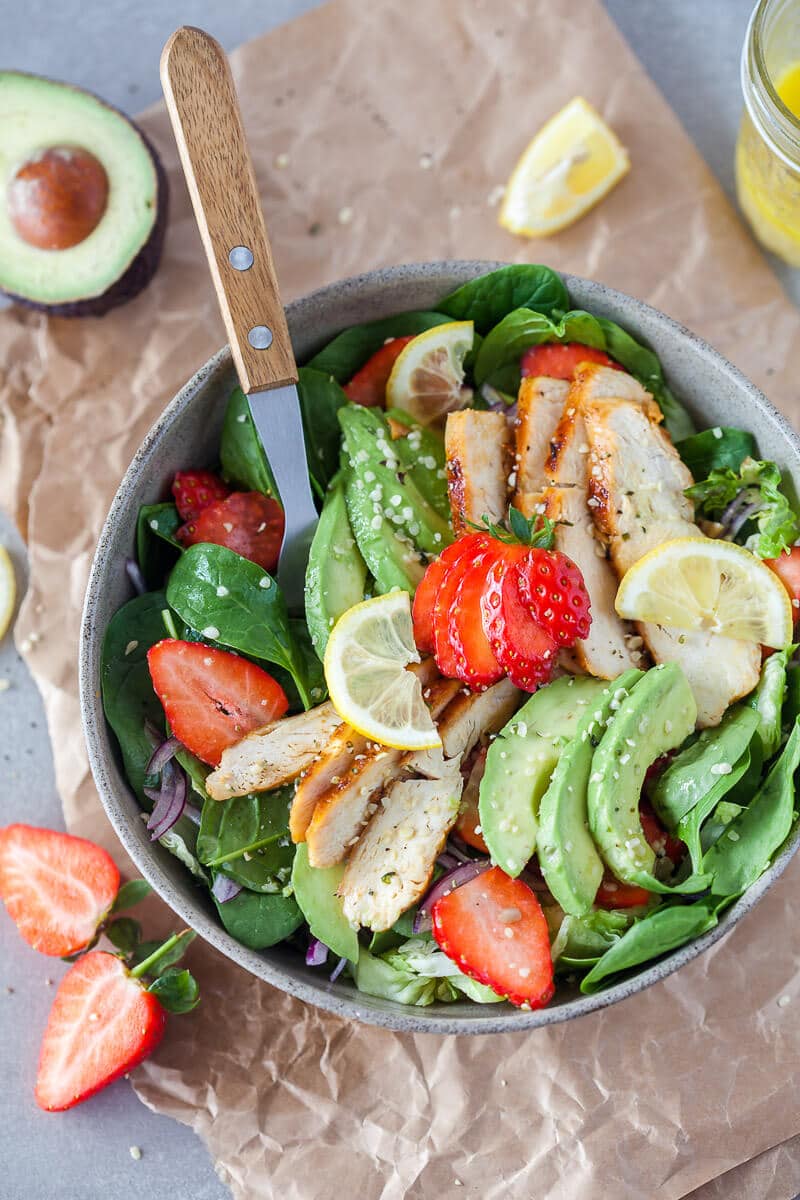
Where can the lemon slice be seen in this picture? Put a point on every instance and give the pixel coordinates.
(428, 375)
(702, 584)
(568, 166)
(8, 591)
(368, 651)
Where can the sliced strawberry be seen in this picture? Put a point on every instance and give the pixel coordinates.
(612, 893)
(102, 1024)
(212, 698)
(494, 929)
(368, 386)
(476, 661)
(558, 360)
(525, 651)
(249, 523)
(424, 600)
(196, 490)
(552, 587)
(57, 888)
(458, 557)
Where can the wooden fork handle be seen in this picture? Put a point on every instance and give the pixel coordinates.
(204, 110)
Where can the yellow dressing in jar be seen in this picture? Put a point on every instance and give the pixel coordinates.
(768, 149)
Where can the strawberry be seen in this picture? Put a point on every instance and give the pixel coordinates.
(552, 588)
(526, 652)
(787, 567)
(424, 599)
(102, 1024)
(494, 929)
(249, 523)
(368, 386)
(468, 822)
(57, 888)
(459, 556)
(476, 661)
(659, 839)
(195, 490)
(558, 360)
(613, 893)
(212, 698)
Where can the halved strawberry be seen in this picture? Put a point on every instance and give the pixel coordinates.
(368, 386)
(494, 929)
(551, 586)
(102, 1024)
(525, 651)
(196, 490)
(212, 698)
(427, 589)
(558, 360)
(57, 888)
(249, 523)
(457, 557)
(476, 661)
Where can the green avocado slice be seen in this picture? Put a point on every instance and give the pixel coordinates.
(119, 256)
(336, 572)
(658, 715)
(571, 866)
(519, 765)
(421, 454)
(315, 892)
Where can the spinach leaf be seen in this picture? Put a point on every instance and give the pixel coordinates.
(744, 852)
(718, 822)
(247, 838)
(250, 614)
(321, 397)
(259, 920)
(767, 700)
(157, 547)
(128, 696)
(694, 771)
(489, 298)
(791, 703)
(690, 825)
(244, 463)
(315, 891)
(643, 364)
(656, 934)
(523, 328)
(756, 487)
(715, 449)
(348, 352)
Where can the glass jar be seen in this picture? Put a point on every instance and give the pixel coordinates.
(768, 149)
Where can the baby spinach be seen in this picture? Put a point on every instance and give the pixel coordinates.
(745, 850)
(715, 449)
(643, 364)
(157, 547)
(321, 397)
(718, 822)
(350, 349)
(247, 837)
(791, 703)
(659, 932)
(244, 463)
(690, 825)
(128, 696)
(489, 298)
(767, 699)
(259, 920)
(234, 602)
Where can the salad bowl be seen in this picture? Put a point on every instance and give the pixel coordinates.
(188, 432)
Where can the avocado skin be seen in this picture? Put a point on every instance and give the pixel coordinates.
(142, 268)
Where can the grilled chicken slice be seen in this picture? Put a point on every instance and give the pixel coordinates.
(463, 722)
(343, 807)
(607, 651)
(478, 449)
(269, 757)
(391, 866)
(540, 403)
(637, 483)
(334, 764)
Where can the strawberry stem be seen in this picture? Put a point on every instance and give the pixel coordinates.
(169, 623)
(144, 967)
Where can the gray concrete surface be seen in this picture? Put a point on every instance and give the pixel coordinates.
(692, 51)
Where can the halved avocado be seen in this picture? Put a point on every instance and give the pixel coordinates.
(83, 199)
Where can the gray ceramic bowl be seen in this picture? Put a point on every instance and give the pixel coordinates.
(188, 432)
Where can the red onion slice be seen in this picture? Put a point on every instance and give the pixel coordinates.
(225, 889)
(448, 883)
(162, 755)
(169, 801)
(135, 576)
(337, 970)
(317, 953)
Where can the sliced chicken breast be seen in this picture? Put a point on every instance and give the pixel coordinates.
(332, 766)
(612, 645)
(391, 866)
(540, 403)
(637, 483)
(462, 724)
(273, 755)
(478, 449)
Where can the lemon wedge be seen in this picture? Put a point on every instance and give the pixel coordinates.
(569, 165)
(368, 651)
(8, 591)
(701, 584)
(428, 375)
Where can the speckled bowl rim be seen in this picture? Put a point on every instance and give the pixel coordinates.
(438, 1019)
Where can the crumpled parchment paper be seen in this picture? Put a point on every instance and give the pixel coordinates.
(381, 133)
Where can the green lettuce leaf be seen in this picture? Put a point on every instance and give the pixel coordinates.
(773, 527)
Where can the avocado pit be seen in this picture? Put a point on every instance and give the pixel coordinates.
(58, 197)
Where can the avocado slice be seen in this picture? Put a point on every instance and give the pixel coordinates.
(315, 892)
(84, 203)
(571, 866)
(519, 765)
(392, 559)
(421, 454)
(336, 572)
(658, 715)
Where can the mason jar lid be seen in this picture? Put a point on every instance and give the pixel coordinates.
(777, 125)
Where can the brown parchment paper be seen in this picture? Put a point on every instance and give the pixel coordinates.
(406, 115)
